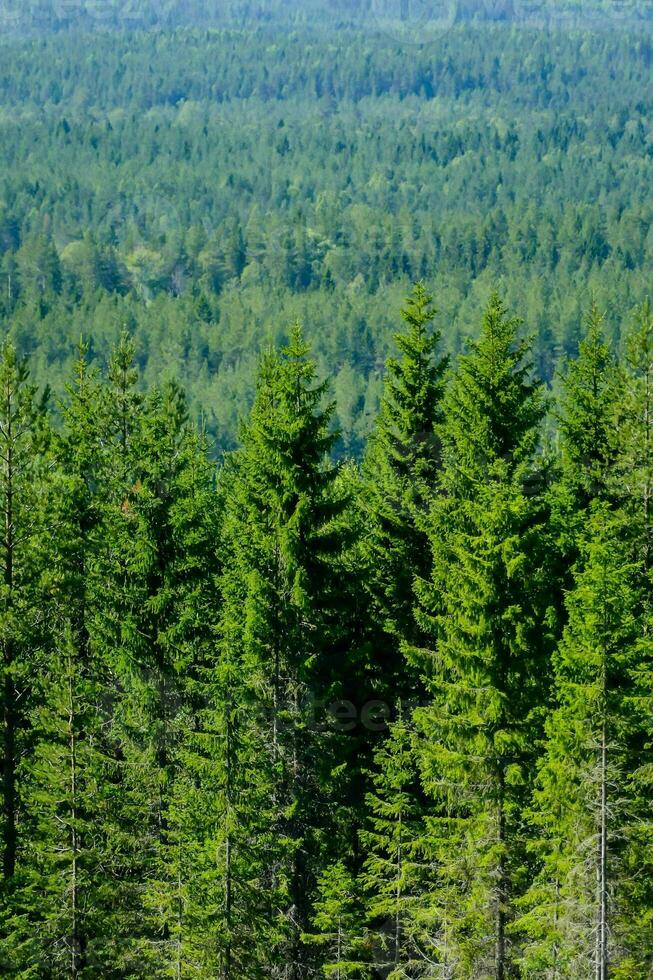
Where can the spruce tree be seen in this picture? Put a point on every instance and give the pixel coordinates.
(633, 478)
(580, 916)
(281, 620)
(66, 786)
(634, 486)
(338, 924)
(587, 418)
(397, 871)
(158, 634)
(486, 609)
(23, 434)
(24, 440)
(399, 474)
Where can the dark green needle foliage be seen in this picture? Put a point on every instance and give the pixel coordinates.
(486, 610)
(286, 717)
(588, 805)
(280, 619)
(399, 474)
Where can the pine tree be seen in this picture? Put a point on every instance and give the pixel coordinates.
(281, 618)
(163, 582)
(580, 918)
(24, 439)
(338, 920)
(397, 870)
(66, 789)
(399, 474)
(487, 610)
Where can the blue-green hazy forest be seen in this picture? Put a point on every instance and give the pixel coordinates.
(326, 489)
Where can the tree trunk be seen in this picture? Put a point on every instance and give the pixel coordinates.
(10, 720)
(500, 972)
(228, 881)
(602, 871)
(75, 945)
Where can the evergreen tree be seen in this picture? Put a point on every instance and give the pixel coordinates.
(67, 792)
(162, 585)
(580, 918)
(487, 610)
(281, 618)
(338, 921)
(399, 474)
(397, 870)
(24, 439)
(591, 392)
(634, 471)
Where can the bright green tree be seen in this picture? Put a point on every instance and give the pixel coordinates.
(397, 871)
(486, 610)
(399, 475)
(67, 777)
(24, 441)
(589, 805)
(281, 618)
(338, 924)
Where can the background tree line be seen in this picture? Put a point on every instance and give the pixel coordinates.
(38, 17)
(202, 187)
(300, 716)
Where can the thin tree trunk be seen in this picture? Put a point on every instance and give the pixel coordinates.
(75, 949)
(501, 889)
(180, 920)
(9, 774)
(228, 881)
(556, 973)
(400, 859)
(10, 720)
(602, 870)
(339, 952)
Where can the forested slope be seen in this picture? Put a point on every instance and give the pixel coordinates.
(304, 719)
(206, 188)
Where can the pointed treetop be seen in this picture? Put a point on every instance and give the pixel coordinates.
(494, 406)
(410, 407)
(590, 400)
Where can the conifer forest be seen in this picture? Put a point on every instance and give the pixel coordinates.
(326, 490)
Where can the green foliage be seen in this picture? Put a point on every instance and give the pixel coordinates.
(486, 610)
(398, 874)
(280, 621)
(24, 443)
(399, 473)
(205, 187)
(195, 783)
(339, 923)
(591, 834)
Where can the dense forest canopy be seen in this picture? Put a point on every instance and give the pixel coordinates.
(206, 188)
(326, 604)
(296, 718)
(37, 16)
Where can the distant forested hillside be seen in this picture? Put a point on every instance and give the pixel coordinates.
(38, 16)
(207, 188)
